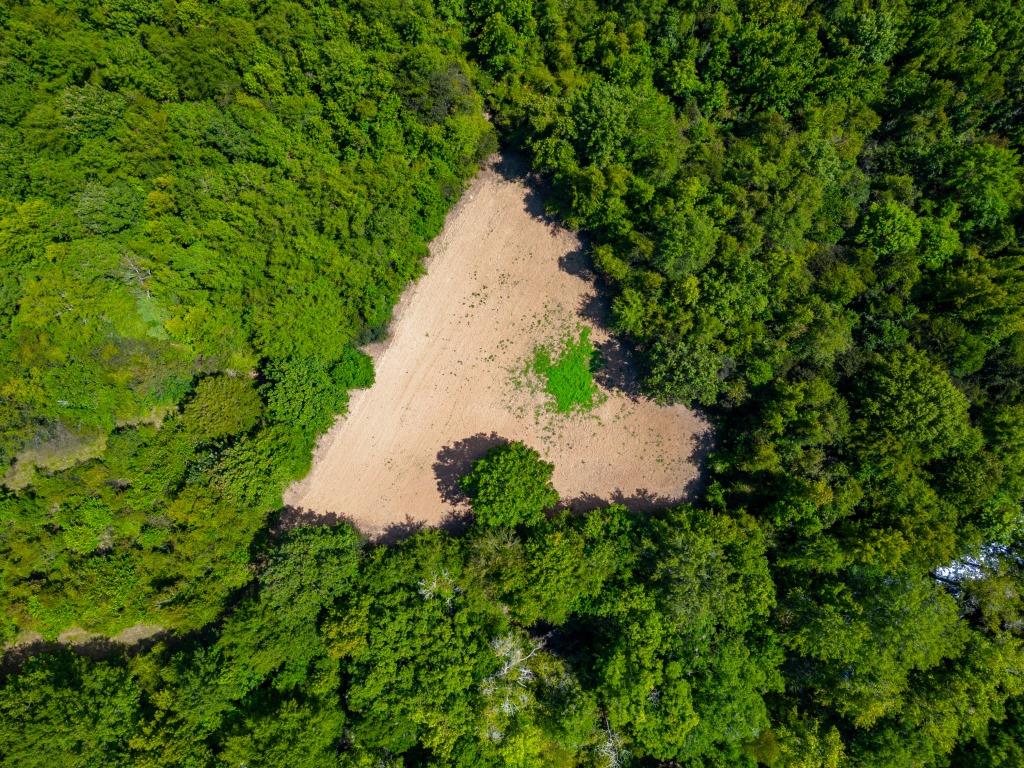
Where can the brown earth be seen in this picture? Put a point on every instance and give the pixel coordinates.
(451, 381)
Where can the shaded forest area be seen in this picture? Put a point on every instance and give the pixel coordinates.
(809, 217)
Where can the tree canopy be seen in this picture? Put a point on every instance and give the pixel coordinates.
(204, 209)
(807, 218)
(510, 486)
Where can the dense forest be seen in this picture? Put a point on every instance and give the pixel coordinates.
(204, 209)
(809, 218)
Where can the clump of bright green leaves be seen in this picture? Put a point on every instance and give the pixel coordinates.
(569, 374)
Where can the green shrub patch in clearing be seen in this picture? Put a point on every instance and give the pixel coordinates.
(569, 379)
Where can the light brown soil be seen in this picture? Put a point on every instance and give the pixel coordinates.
(450, 381)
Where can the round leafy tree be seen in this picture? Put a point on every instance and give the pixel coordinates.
(510, 486)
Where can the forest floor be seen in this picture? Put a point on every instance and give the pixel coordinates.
(452, 381)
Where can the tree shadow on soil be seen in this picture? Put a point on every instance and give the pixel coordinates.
(643, 500)
(399, 531)
(576, 263)
(639, 500)
(513, 166)
(703, 445)
(288, 518)
(618, 369)
(455, 522)
(455, 460)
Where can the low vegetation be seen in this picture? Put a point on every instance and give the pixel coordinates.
(568, 376)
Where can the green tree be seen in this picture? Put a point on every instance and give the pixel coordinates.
(61, 709)
(911, 402)
(510, 486)
(222, 406)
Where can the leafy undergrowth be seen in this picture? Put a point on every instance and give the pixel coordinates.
(568, 373)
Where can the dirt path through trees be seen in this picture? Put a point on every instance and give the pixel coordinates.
(450, 380)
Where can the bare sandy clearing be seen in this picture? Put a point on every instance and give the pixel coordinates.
(501, 279)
